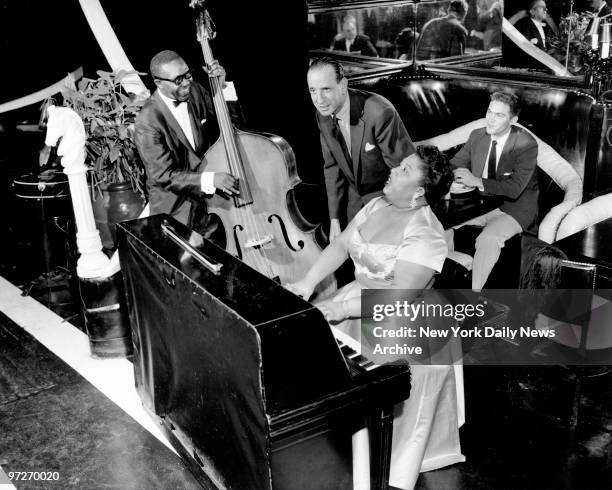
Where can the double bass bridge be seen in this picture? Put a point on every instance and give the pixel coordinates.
(259, 241)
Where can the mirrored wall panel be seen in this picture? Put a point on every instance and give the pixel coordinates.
(433, 29)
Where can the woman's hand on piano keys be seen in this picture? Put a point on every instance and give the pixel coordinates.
(302, 288)
(333, 311)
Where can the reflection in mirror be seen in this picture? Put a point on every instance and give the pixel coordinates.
(550, 36)
(352, 66)
(443, 28)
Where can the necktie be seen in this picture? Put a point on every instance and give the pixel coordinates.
(492, 161)
(340, 137)
(178, 102)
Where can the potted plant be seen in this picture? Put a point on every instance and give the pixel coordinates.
(117, 173)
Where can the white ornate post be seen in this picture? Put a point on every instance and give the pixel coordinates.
(100, 282)
(64, 122)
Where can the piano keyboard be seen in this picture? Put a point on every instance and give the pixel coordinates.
(351, 350)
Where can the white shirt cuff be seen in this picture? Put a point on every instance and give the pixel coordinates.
(207, 182)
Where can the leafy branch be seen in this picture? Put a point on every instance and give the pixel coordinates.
(108, 114)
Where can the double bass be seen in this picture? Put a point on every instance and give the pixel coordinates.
(262, 224)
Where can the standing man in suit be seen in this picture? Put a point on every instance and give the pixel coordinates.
(499, 159)
(362, 138)
(173, 130)
(533, 27)
(348, 40)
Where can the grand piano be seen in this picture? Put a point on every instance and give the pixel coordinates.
(247, 379)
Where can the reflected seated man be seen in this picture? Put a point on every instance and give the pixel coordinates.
(533, 26)
(348, 40)
(397, 243)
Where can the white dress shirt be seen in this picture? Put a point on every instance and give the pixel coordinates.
(181, 114)
(540, 27)
(501, 141)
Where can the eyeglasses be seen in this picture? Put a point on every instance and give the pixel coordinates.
(188, 75)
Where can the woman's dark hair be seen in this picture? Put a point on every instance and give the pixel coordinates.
(437, 172)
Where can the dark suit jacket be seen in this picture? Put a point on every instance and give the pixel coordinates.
(173, 167)
(361, 44)
(528, 29)
(440, 38)
(516, 176)
(379, 141)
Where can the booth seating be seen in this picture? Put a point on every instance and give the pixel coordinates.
(585, 215)
(549, 161)
(569, 122)
(444, 112)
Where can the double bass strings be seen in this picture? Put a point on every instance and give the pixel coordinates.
(234, 158)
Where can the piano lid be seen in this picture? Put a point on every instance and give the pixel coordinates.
(239, 287)
(237, 312)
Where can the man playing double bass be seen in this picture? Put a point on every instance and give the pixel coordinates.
(362, 138)
(174, 129)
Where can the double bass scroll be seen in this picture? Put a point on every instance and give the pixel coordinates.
(262, 224)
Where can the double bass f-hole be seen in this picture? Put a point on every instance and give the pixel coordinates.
(300, 243)
(261, 241)
(237, 227)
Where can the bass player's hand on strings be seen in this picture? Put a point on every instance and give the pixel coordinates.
(226, 183)
(216, 70)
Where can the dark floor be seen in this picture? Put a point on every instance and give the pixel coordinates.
(518, 432)
(53, 420)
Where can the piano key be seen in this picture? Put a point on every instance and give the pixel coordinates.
(363, 363)
(351, 349)
(346, 339)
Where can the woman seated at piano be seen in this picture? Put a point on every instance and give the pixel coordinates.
(396, 242)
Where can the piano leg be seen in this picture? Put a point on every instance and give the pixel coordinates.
(380, 448)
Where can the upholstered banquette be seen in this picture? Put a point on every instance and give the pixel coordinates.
(564, 123)
(549, 161)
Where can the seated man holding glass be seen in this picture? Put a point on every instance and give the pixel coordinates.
(499, 159)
